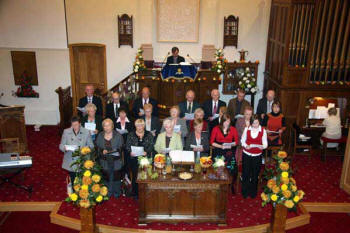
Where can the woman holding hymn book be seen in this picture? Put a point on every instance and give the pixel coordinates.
(253, 141)
(275, 124)
(123, 124)
(180, 125)
(152, 122)
(168, 140)
(91, 121)
(198, 141)
(109, 143)
(138, 143)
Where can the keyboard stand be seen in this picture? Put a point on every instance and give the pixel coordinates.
(8, 179)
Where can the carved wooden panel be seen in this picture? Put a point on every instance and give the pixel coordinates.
(24, 61)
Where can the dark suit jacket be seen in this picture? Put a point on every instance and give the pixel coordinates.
(129, 126)
(231, 108)
(191, 140)
(138, 104)
(95, 100)
(208, 107)
(155, 124)
(110, 110)
(183, 107)
(98, 122)
(170, 60)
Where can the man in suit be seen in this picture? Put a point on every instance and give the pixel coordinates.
(112, 108)
(265, 104)
(211, 107)
(91, 98)
(237, 105)
(175, 58)
(189, 105)
(145, 98)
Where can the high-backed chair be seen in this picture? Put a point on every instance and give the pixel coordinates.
(300, 144)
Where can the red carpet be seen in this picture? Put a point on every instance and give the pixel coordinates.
(48, 181)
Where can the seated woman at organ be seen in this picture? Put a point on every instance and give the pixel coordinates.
(333, 127)
(275, 124)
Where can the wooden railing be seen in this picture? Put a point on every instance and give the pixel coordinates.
(65, 107)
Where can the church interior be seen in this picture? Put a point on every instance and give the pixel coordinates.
(156, 116)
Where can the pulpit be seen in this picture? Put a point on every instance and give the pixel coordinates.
(12, 125)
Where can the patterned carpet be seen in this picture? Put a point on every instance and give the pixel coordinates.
(319, 180)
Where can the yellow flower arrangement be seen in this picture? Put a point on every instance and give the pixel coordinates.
(74, 196)
(281, 188)
(96, 178)
(85, 150)
(96, 188)
(88, 164)
(289, 204)
(89, 188)
(99, 198)
(87, 180)
(284, 174)
(87, 173)
(271, 183)
(104, 191)
(284, 166)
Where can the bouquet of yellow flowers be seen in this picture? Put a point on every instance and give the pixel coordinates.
(220, 64)
(88, 186)
(281, 187)
(139, 64)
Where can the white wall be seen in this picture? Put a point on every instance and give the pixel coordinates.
(96, 22)
(53, 71)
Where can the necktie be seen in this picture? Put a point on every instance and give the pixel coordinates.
(115, 110)
(215, 109)
(189, 109)
(89, 99)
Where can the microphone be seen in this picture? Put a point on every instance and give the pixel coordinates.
(166, 56)
(192, 60)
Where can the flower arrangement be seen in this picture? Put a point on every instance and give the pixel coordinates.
(205, 161)
(26, 89)
(281, 187)
(220, 64)
(139, 64)
(88, 186)
(219, 162)
(145, 164)
(247, 81)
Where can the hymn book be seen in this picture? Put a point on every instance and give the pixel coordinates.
(181, 157)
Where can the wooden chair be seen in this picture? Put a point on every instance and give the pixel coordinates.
(299, 144)
(325, 140)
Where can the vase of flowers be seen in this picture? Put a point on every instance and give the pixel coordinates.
(247, 82)
(144, 164)
(219, 166)
(139, 63)
(205, 163)
(220, 62)
(26, 88)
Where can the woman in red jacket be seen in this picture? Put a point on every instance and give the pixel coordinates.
(224, 139)
(253, 141)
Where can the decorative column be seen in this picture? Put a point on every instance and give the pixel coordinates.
(88, 220)
(278, 219)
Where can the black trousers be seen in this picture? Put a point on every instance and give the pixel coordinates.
(72, 176)
(250, 172)
(134, 167)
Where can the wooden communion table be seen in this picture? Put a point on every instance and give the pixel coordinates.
(170, 199)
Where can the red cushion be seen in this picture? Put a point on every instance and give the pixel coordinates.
(340, 140)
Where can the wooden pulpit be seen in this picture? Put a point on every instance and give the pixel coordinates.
(12, 125)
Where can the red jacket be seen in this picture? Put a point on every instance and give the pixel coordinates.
(218, 136)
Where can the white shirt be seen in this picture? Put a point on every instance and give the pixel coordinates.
(253, 133)
(333, 127)
(89, 99)
(115, 107)
(148, 124)
(269, 106)
(121, 125)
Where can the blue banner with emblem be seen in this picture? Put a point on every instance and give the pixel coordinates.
(179, 71)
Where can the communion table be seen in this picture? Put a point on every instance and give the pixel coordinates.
(170, 199)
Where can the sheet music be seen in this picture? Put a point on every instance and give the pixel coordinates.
(166, 150)
(256, 146)
(71, 147)
(142, 111)
(228, 145)
(83, 110)
(312, 113)
(114, 153)
(137, 150)
(331, 105)
(122, 131)
(216, 115)
(91, 127)
(189, 116)
(181, 156)
(177, 128)
(196, 146)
